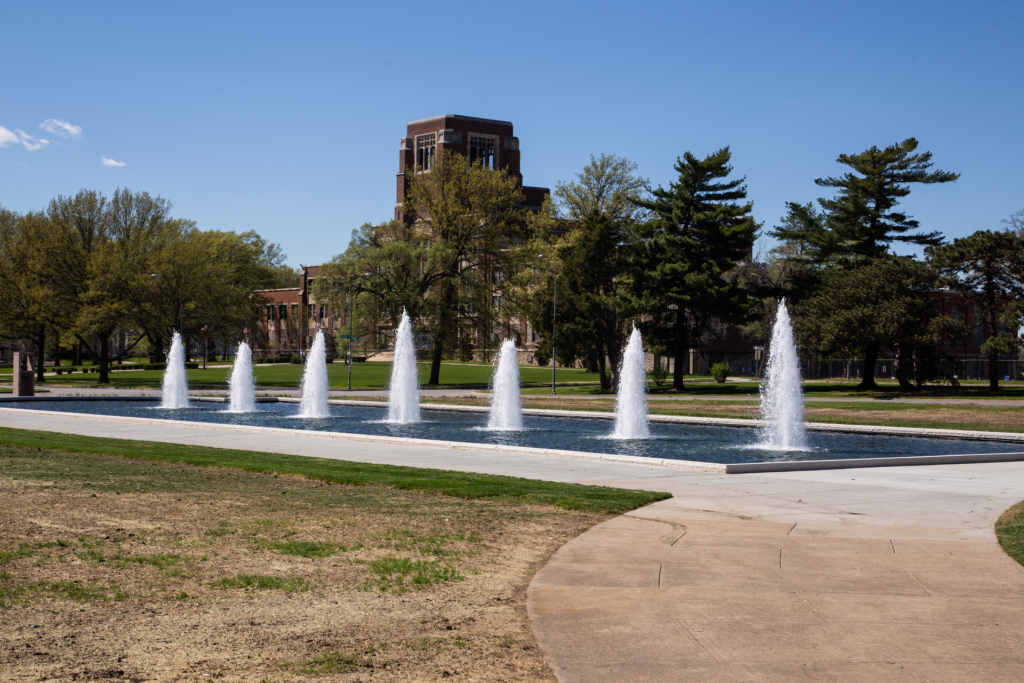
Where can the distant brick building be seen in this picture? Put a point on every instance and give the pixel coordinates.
(289, 319)
(486, 140)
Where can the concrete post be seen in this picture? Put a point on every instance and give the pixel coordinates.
(23, 374)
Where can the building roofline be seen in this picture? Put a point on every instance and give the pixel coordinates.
(283, 289)
(462, 118)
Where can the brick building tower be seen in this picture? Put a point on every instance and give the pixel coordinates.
(492, 142)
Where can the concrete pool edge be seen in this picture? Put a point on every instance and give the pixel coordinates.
(666, 463)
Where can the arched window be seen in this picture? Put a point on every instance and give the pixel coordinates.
(483, 149)
(426, 149)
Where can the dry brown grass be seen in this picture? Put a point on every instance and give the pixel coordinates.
(114, 569)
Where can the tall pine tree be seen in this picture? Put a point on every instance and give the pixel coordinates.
(681, 279)
(861, 222)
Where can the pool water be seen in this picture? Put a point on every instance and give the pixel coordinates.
(678, 441)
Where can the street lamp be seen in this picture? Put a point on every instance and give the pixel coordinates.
(554, 320)
(351, 316)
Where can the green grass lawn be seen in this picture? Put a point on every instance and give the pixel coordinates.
(1010, 532)
(461, 484)
(364, 376)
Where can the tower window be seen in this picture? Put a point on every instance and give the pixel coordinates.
(426, 148)
(483, 149)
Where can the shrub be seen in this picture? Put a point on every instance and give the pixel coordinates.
(660, 371)
(465, 349)
(542, 356)
(720, 371)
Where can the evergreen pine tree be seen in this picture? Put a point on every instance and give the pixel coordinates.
(684, 257)
(861, 222)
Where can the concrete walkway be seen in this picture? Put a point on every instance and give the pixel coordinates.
(867, 575)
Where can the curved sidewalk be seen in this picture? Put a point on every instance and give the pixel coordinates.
(862, 575)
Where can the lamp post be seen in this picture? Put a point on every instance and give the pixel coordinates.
(351, 316)
(554, 330)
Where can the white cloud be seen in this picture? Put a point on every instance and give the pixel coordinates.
(62, 128)
(111, 162)
(30, 143)
(7, 137)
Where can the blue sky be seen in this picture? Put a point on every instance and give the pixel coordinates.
(286, 117)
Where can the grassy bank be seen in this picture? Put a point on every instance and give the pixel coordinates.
(461, 484)
(1010, 532)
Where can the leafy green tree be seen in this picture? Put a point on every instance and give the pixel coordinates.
(608, 185)
(473, 217)
(987, 267)
(28, 307)
(592, 259)
(682, 265)
(845, 317)
(862, 221)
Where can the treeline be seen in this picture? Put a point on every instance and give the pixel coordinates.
(97, 271)
(678, 263)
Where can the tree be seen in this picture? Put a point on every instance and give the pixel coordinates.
(1015, 222)
(592, 259)
(606, 185)
(681, 270)
(987, 268)
(29, 306)
(783, 272)
(473, 217)
(390, 268)
(861, 221)
(885, 298)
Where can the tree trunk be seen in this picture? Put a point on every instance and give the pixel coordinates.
(606, 385)
(870, 358)
(592, 361)
(993, 358)
(677, 370)
(104, 360)
(901, 365)
(437, 351)
(40, 354)
(615, 360)
(76, 353)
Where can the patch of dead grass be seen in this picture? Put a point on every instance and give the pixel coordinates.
(113, 569)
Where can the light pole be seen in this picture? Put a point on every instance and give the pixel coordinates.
(351, 316)
(554, 321)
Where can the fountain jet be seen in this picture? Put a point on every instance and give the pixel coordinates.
(506, 410)
(782, 400)
(242, 385)
(175, 382)
(631, 400)
(404, 390)
(315, 387)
